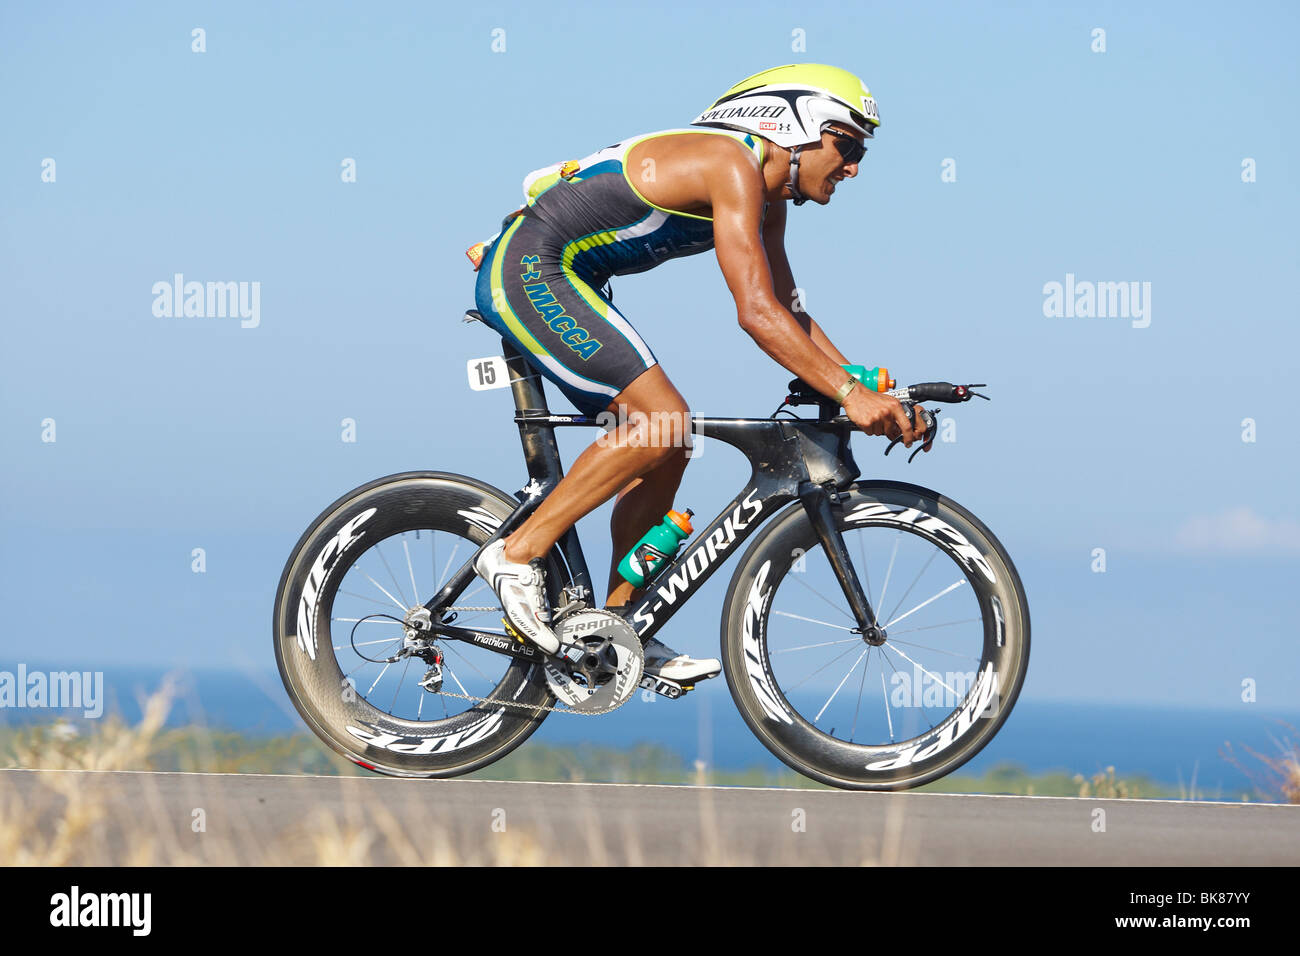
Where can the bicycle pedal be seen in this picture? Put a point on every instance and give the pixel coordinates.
(510, 629)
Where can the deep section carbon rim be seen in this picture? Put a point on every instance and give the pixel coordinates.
(891, 715)
(370, 559)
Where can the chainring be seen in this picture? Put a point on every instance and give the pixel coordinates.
(601, 662)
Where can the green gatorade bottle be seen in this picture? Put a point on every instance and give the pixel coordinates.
(656, 548)
(876, 379)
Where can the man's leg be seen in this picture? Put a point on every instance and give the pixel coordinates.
(641, 504)
(606, 466)
(646, 450)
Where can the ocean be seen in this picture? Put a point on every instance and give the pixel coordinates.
(1172, 745)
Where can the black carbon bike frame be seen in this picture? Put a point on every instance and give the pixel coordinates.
(791, 459)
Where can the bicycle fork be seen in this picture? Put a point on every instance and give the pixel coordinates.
(816, 501)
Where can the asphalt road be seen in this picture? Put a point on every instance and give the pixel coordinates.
(117, 817)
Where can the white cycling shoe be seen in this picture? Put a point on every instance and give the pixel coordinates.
(521, 588)
(662, 661)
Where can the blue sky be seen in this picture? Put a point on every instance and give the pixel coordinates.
(1123, 165)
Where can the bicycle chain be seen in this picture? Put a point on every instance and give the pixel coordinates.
(536, 707)
(532, 707)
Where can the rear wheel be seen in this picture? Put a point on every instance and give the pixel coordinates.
(369, 559)
(897, 714)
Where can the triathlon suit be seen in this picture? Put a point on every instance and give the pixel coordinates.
(539, 279)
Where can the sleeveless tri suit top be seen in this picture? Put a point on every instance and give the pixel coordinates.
(539, 278)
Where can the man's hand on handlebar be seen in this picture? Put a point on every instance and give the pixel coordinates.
(878, 414)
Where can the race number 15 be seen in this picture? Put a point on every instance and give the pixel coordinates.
(486, 373)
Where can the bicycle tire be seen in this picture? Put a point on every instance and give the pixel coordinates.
(345, 720)
(895, 764)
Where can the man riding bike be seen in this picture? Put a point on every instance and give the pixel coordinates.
(789, 133)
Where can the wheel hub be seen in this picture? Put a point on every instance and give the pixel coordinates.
(874, 635)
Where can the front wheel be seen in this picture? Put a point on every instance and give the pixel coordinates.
(888, 716)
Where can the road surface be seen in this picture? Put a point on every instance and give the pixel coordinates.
(256, 818)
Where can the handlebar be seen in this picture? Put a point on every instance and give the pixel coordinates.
(908, 396)
(937, 392)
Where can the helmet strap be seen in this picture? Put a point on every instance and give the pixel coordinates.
(793, 182)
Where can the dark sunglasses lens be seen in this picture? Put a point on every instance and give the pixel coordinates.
(850, 149)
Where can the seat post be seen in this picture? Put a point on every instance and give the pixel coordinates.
(541, 453)
(525, 382)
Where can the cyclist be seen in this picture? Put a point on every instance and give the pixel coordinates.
(792, 133)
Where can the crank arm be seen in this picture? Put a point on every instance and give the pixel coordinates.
(664, 687)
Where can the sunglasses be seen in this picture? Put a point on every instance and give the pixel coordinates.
(850, 149)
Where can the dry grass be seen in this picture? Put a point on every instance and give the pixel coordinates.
(1104, 785)
(1276, 778)
(115, 747)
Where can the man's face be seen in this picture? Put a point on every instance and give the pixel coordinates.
(820, 168)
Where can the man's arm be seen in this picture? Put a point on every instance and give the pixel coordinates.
(736, 193)
(783, 280)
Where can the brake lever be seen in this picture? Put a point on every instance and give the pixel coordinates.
(931, 426)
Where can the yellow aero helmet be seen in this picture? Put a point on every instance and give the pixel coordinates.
(790, 105)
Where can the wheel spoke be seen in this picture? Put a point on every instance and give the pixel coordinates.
(400, 682)
(457, 680)
(930, 627)
(379, 678)
(389, 640)
(889, 715)
(360, 664)
(808, 647)
(415, 592)
(813, 620)
(841, 684)
(956, 584)
(392, 577)
(924, 567)
(381, 587)
(822, 668)
(928, 673)
(368, 600)
(862, 682)
(837, 607)
(884, 588)
(446, 567)
(898, 674)
(937, 650)
(469, 662)
(866, 568)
